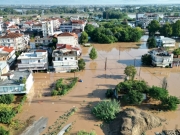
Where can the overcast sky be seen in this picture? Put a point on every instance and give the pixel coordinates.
(85, 2)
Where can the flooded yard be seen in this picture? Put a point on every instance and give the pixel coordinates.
(95, 82)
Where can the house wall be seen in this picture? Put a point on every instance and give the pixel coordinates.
(29, 83)
(70, 40)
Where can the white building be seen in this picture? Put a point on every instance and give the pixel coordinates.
(27, 25)
(13, 29)
(16, 82)
(37, 27)
(161, 57)
(165, 41)
(47, 28)
(7, 55)
(56, 23)
(65, 58)
(16, 20)
(34, 60)
(68, 38)
(15, 40)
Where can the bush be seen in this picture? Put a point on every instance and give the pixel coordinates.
(54, 93)
(109, 93)
(19, 107)
(7, 99)
(158, 93)
(6, 113)
(170, 103)
(82, 132)
(146, 59)
(133, 97)
(151, 42)
(3, 131)
(81, 64)
(106, 110)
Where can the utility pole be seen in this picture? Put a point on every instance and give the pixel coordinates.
(106, 63)
(119, 50)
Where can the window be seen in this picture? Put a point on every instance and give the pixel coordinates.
(65, 58)
(38, 61)
(59, 59)
(71, 58)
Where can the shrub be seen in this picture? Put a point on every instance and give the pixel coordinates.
(146, 59)
(170, 103)
(19, 107)
(82, 132)
(6, 113)
(54, 92)
(7, 99)
(157, 93)
(81, 64)
(133, 97)
(106, 110)
(109, 93)
(3, 131)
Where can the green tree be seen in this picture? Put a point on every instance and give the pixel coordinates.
(176, 29)
(6, 99)
(6, 113)
(133, 97)
(3, 131)
(146, 59)
(151, 42)
(106, 110)
(170, 103)
(130, 71)
(89, 29)
(166, 30)
(176, 51)
(82, 132)
(93, 54)
(81, 64)
(158, 93)
(153, 27)
(83, 38)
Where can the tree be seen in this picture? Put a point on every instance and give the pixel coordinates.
(81, 64)
(153, 27)
(93, 54)
(166, 30)
(89, 29)
(170, 103)
(176, 29)
(6, 99)
(176, 51)
(146, 59)
(130, 71)
(106, 110)
(6, 113)
(151, 42)
(84, 38)
(158, 93)
(82, 132)
(133, 97)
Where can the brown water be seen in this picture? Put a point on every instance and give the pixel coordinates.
(96, 80)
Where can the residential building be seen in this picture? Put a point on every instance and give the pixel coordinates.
(42, 41)
(33, 60)
(7, 55)
(8, 24)
(4, 67)
(16, 82)
(37, 27)
(165, 41)
(47, 28)
(16, 20)
(27, 25)
(66, 26)
(13, 28)
(162, 58)
(15, 40)
(68, 38)
(94, 24)
(65, 58)
(74, 18)
(56, 23)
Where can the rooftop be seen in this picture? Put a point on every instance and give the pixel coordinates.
(68, 34)
(12, 35)
(6, 49)
(16, 75)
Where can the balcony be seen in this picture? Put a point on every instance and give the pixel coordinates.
(34, 65)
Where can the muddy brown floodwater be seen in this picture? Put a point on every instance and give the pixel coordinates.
(95, 82)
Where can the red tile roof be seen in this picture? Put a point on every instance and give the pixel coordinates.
(40, 50)
(68, 34)
(7, 49)
(12, 35)
(13, 26)
(63, 46)
(77, 21)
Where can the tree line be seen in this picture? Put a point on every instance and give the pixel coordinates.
(114, 14)
(113, 32)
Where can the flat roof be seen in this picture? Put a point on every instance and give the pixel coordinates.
(15, 78)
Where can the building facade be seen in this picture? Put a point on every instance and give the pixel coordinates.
(47, 28)
(34, 60)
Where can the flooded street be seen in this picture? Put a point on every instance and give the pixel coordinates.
(96, 80)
